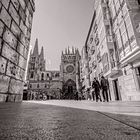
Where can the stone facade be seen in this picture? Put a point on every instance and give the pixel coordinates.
(70, 72)
(42, 84)
(15, 31)
(61, 84)
(126, 23)
(113, 47)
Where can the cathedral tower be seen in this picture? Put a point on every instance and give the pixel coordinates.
(70, 72)
(36, 63)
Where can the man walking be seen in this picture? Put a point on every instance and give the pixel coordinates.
(96, 87)
(104, 87)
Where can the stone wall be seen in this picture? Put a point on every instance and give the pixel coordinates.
(128, 85)
(15, 30)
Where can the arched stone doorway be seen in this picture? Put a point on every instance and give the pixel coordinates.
(69, 89)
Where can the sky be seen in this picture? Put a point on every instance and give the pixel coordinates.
(58, 24)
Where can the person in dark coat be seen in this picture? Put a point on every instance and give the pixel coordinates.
(104, 87)
(76, 95)
(96, 87)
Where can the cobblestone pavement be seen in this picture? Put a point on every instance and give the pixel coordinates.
(45, 120)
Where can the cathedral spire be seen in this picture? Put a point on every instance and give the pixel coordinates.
(68, 50)
(65, 51)
(72, 50)
(42, 53)
(35, 51)
(62, 55)
(75, 50)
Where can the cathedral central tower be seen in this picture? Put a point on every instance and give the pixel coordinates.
(70, 72)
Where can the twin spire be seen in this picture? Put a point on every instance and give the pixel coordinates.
(67, 51)
(36, 52)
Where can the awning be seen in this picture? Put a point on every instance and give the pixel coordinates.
(115, 73)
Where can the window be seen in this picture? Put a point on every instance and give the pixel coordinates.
(57, 75)
(32, 66)
(30, 86)
(32, 75)
(37, 85)
(42, 76)
(139, 2)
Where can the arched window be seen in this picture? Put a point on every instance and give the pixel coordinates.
(37, 85)
(45, 85)
(32, 75)
(47, 74)
(30, 85)
(42, 76)
(57, 75)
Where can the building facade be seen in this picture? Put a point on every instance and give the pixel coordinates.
(42, 84)
(113, 47)
(61, 84)
(15, 31)
(70, 73)
(125, 17)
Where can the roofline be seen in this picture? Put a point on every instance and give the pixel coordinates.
(93, 17)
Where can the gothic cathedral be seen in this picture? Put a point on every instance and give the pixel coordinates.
(61, 84)
(70, 72)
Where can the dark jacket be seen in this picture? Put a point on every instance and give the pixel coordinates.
(104, 83)
(96, 85)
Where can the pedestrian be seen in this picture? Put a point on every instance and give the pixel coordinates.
(88, 93)
(104, 87)
(93, 93)
(96, 89)
(76, 95)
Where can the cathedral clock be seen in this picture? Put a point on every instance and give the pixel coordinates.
(69, 69)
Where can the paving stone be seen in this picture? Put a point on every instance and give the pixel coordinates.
(30, 120)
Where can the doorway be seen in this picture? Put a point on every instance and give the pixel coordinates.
(70, 89)
(138, 75)
(117, 92)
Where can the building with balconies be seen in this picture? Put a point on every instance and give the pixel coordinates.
(113, 47)
(125, 19)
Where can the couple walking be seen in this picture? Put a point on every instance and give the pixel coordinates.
(96, 86)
